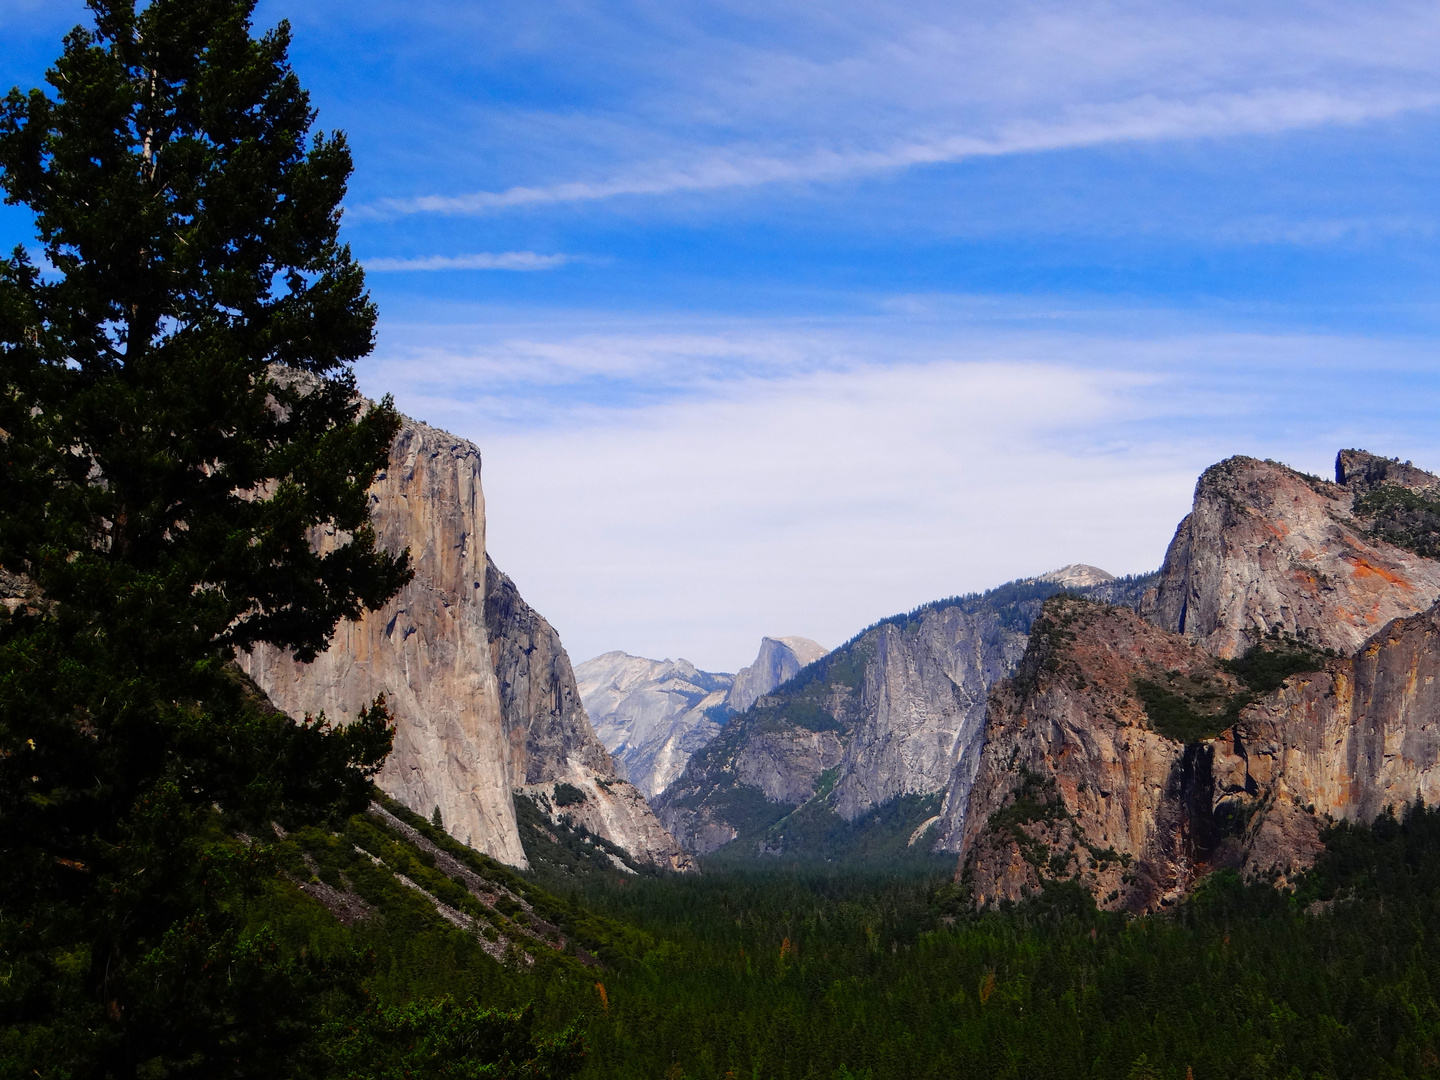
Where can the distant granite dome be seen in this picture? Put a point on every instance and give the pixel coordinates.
(780, 660)
(653, 714)
(1076, 576)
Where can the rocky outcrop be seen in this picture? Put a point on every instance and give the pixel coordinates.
(1080, 780)
(1361, 472)
(1347, 742)
(1077, 576)
(1267, 549)
(481, 690)
(779, 660)
(897, 711)
(427, 650)
(652, 714)
(551, 741)
(1128, 757)
(1075, 782)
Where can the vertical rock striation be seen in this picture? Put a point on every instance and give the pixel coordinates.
(550, 738)
(897, 713)
(1127, 757)
(1347, 742)
(427, 650)
(779, 661)
(1075, 782)
(465, 739)
(654, 714)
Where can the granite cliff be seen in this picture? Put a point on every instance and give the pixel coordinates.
(779, 661)
(1266, 548)
(653, 714)
(481, 689)
(1284, 681)
(879, 736)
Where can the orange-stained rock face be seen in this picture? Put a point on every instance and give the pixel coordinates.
(1075, 783)
(1345, 743)
(1267, 548)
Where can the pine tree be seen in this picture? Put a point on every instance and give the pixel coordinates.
(184, 461)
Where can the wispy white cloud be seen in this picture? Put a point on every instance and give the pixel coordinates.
(505, 260)
(670, 492)
(1143, 118)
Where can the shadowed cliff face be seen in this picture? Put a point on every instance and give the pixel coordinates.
(1076, 783)
(1269, 549)
(482, 693)
(897, 712)
(551, 741)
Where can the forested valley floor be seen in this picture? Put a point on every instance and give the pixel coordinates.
(793, 971)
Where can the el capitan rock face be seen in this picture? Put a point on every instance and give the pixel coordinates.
(481, 690)
(1269, 549)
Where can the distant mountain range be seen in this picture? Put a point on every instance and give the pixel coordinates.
(890, 725)
(653, 714)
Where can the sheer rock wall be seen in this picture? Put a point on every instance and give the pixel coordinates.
(480, 687)
(1267, 548)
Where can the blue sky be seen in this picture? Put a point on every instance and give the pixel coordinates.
(779, 318)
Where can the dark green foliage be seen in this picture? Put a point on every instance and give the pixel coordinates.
(1187, 710)
(1405, 518)
(804, 972)
(814, 833)
(160, 483)
(1191, 709)
(568, 795)
(560, 851)
(443, 1039)
(1272, 660)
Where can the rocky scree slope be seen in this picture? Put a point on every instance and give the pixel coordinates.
(480, 687)
(888, 724)
(1134, 758)
(653, 714)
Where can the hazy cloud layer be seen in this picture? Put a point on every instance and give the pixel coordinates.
(682, 495)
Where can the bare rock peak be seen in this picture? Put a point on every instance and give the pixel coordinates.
(1077, 576)
(1361, 471)
(1269, 549)
(779, 660)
